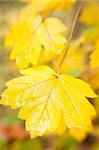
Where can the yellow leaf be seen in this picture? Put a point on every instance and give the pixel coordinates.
(90, 14)
(45, 6)
(49, 5)
(94, 62)
(46, 99)
(36, 35)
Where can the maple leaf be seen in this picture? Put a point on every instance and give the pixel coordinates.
(29, 37)
(90, 14)
(46, 100)
(94, 62)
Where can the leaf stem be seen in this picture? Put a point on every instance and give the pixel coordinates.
(71, 34)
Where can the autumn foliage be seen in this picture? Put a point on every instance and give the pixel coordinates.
(49, 94)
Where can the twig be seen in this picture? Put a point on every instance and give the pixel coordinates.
(71, 34)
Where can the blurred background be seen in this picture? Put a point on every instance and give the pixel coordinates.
(13, 135)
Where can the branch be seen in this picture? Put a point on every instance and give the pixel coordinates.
(71, 34)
